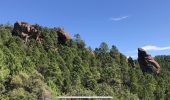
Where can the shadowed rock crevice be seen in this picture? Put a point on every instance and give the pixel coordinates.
(147, 62)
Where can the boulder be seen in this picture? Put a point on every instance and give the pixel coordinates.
(147, 62)
(26, 30)
(62, 35)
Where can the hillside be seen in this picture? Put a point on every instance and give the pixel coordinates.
(53, 64)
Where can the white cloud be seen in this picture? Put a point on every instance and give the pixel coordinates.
(134, 53)
(155, 48)
(118, 18)
(133, 56)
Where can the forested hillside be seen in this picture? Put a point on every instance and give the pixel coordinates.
(35, 70)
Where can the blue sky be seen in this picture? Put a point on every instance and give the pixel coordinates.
(128, 24)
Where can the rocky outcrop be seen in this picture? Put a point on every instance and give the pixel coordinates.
(26, 30)
(147, 62)
(62, 35)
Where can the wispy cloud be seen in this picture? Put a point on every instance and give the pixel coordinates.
(155, 48)
(119, 18)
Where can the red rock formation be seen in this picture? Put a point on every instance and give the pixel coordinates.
(147, 62)
(26, 30)
(62, 35)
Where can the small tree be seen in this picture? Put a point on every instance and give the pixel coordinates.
(104, 47)
(79, 41)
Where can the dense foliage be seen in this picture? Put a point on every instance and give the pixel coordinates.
(30, 71)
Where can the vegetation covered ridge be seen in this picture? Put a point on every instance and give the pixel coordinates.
(43, 63)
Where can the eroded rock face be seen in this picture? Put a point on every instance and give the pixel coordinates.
(147, 62)
(26, 30)
(62, 35)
